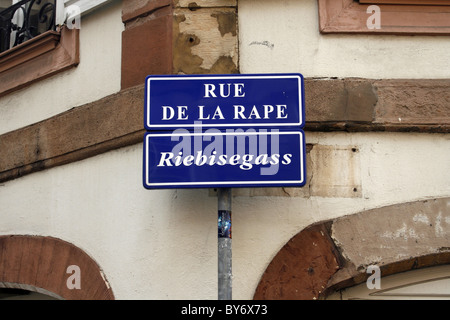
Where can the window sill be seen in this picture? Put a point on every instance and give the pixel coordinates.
(38, 58)
(348, 16)
(29, 50)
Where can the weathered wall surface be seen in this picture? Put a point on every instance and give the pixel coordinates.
(414, 229)
(205, 37)
(338, 253)
(275, 36)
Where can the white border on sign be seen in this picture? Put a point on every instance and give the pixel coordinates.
(255, 183)
(293, 76)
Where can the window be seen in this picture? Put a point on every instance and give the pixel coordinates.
(23, 20)
(414, 17)
(34, 42)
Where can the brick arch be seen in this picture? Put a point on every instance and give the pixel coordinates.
(335, 254)
(40, 264)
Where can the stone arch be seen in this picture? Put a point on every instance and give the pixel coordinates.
(41, 264)
(335, 254)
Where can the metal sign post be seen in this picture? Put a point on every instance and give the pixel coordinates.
(224, 244)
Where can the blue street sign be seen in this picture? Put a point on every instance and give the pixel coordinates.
(225, 101)
(224, 158)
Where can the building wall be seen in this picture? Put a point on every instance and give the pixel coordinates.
(163, 244)
(283, 36)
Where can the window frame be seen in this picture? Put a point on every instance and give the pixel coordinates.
(348, 16)
(47, 54)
